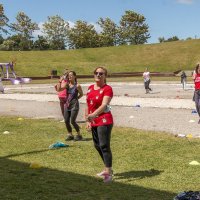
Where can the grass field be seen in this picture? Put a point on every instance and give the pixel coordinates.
(164, 57)
(147, 165)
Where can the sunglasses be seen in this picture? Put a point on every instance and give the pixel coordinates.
(99, 73)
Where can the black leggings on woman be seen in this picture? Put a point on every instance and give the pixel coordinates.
(73, 115)
(197, 101)
(101, 138)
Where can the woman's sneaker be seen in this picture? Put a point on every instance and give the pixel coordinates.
(78, 138)
(107, 178)
(103, 173)
(69, 137)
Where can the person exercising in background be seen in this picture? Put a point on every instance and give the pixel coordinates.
(147, 80)
(62, 95)
(183, 79)
(74, 93)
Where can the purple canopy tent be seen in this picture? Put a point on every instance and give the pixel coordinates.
(7, 66)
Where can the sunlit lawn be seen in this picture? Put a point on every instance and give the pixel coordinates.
(162, 57)
(147, 165)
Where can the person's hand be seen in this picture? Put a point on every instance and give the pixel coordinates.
(56, 88)
(90, 117)
(61, 79)
(88, 126)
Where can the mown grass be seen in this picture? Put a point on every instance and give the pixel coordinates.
(147, 165)
(165, 57)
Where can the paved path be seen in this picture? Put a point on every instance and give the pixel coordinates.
(167, 109)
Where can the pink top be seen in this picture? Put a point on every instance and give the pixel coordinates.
(63, 94)
(197, 81)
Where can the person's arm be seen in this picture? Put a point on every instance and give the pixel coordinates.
(88, 124)
(143, 75)
(101, 109)
(194, 75)
(80, 91)
(61, 85)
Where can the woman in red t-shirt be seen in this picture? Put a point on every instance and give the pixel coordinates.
(196, 78)
(99, 119)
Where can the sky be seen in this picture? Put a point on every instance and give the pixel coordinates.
(165, 18)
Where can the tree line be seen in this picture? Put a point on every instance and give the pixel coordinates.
(57, 33)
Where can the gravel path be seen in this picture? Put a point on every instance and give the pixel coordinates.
(168, 108)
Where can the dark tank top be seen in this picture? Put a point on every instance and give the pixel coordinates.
(72, 98)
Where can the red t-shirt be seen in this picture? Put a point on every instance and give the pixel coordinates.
(94, 100)
(197, 81)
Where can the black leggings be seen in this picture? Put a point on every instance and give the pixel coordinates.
(73, 115)
(101, 137)
(146, 85)
(197, 101)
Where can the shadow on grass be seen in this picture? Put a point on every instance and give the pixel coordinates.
(25, 153)
(137, 174)
(18, 181)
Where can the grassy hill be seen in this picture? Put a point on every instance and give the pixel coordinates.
(165, 57)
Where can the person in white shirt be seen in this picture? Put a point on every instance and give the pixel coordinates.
(1, 86)
(147, 80)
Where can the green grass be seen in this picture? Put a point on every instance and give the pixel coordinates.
(147, 165)
(164, 57)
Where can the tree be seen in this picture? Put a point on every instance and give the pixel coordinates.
(25, 28)
(16, 39)
(133, 29)
(3, 20)
(174, 38)
(56, 30)
(1, 39)
(189, 38)
(161, 39)
(108, 35)
(41, 43)
(24, 25)
(7, 45)
(83, 35)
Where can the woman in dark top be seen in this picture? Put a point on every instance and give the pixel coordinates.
(74, 92)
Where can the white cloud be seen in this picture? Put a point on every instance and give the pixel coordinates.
(71, 24)
(96, 26)
(185, 1)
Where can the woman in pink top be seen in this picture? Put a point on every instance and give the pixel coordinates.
(62, 95)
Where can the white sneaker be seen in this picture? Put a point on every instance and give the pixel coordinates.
(107, 178)
(101, 174)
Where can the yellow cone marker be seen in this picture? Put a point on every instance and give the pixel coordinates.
(189, 136)
(20, 119)
(35, 165)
